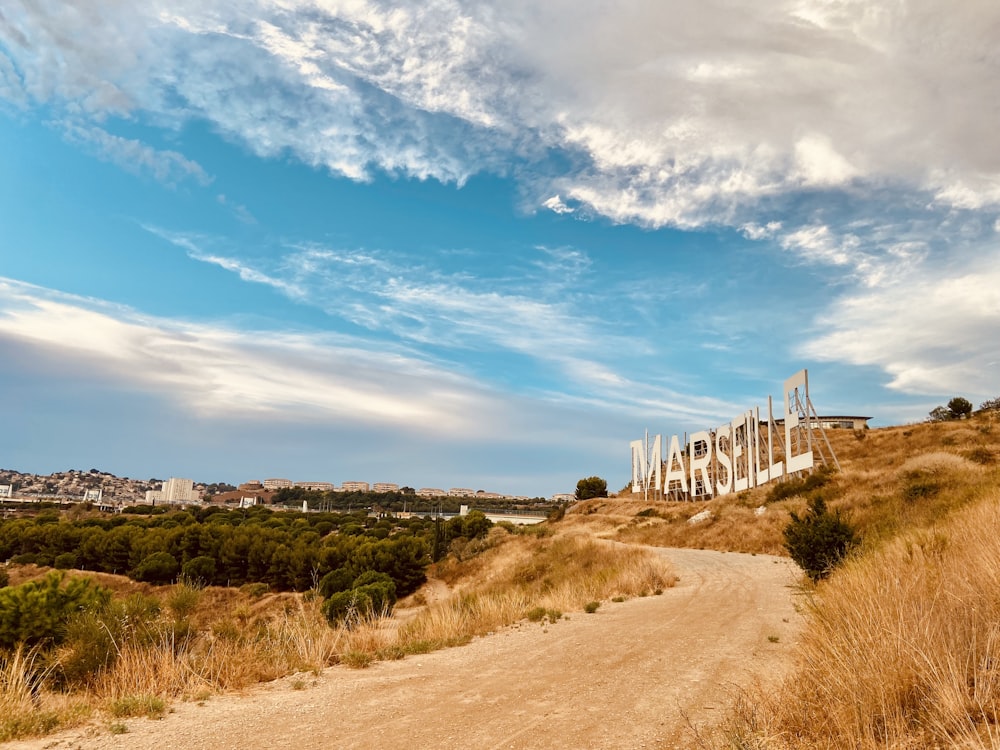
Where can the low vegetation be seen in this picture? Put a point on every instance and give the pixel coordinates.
(114, 647)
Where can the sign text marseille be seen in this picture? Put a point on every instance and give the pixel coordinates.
(732, 457)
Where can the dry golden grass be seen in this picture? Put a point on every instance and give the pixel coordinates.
(200, 641)
(26, 707)
(902, 646)
(557, 574)
(892, 479)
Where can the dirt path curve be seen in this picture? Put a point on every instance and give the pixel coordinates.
(624, 677)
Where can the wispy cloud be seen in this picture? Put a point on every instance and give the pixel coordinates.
(168, 167)
(932, 330)
(749, 103)
(219, 371)
(451, 312)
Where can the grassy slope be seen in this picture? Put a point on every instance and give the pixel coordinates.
(892, 479)
(902, 644)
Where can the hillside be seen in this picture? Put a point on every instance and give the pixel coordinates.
(892, 480)
(897, 649)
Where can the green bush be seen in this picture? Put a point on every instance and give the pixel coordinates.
(819, 540)
(91, 639)
(370, 594)
(798, 486)
(159, 567)
(591, 487)
(200, 569)
(4, 578)
(591, 607)
(36, 611)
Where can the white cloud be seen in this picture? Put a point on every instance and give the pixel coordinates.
(168, 167)
(932, 330)
(682, 124)
(218, 371)
(754, 231)
(555, 205)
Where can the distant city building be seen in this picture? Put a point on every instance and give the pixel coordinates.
(174, 491)
(461, 492)
(431, 492)
(253, 485)
(277, 484)
(6, 490)
(317, 486)
(385, 487)
(354, 486)
(483, 495)
(93, 496)
(563, 497)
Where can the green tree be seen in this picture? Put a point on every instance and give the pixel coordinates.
(159, 567)
(591, 487)
(200, 569)
(36, 611)
(819, 540)
(959, 407)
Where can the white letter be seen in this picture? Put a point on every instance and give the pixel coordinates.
(803, 460)
(700, 464)
(775, 470)
(739, 482)
(642, 457)
(724, 433)
(675, 474)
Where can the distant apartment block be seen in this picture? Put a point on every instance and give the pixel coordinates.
(461, 492)
(253, 485)
(431, 492)
(277, 484)
(318, 486)
(354, 486)
(385, 487)
(93, 496)
(174, 491)
(6, 490)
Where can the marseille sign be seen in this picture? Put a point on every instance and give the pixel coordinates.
(732, 457)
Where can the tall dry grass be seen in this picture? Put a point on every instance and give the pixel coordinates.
(902, 649)
(26, 707)
(182, 642)
(558, 574)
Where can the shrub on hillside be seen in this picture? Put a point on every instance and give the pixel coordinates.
(159, 567)
(591, 487)
(371, 594)
(36, 611)
(798, 486)
(819, 540)
(200, 569)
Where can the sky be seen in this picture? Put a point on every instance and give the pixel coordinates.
(483, 244)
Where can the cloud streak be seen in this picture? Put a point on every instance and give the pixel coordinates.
(223, 372)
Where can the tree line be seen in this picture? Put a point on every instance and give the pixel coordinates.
(287, 551)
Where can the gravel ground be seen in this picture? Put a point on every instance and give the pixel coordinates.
(637, 674)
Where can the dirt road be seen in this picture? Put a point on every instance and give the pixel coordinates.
(632, 675)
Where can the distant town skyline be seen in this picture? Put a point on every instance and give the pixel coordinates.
(489, 242)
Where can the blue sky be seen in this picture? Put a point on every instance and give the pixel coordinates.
(482, 244)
